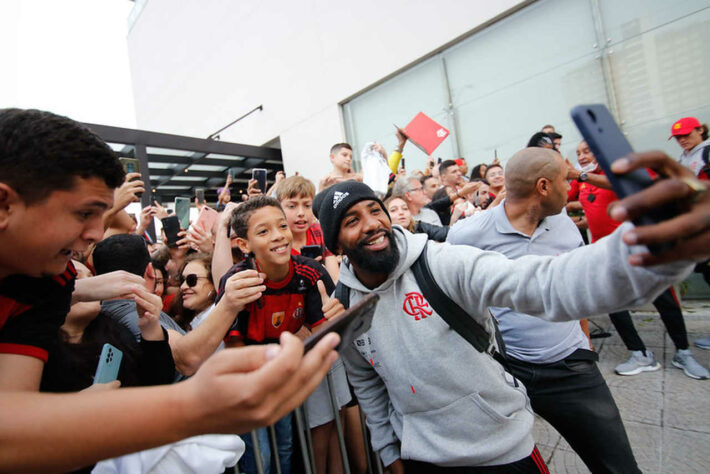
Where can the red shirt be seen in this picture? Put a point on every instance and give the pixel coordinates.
(314, 236)
(594, 201)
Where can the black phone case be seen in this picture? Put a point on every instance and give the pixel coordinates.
(311, 251)
(171, 225)
(349, 324)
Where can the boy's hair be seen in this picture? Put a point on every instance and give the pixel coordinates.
(41, 152)
(295, 186)
(126, 252)
(241, 215)
(336, 148)
(446, 164)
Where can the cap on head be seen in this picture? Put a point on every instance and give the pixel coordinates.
(684, 126)
(331, 204)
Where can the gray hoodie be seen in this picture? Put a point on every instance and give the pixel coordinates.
(427, 393)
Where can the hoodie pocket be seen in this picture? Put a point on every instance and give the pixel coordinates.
(469, 431)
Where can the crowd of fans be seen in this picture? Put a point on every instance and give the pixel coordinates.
(267, 267)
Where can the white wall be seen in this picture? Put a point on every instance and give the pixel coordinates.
(198, 65)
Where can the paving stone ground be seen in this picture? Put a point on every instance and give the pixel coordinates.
(666, 414)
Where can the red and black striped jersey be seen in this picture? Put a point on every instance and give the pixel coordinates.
(32, 310)
(286, 305)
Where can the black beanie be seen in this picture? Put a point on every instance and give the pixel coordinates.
(331, 204)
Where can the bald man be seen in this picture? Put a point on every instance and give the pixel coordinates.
(552, 360)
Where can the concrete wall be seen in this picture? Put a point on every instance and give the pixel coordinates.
(198, 65)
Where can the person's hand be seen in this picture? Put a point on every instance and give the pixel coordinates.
(199, 239)
(160, 211)
(238, 390)
(280, 176)
(183, 243)
(106, 286)
(401, 139)
(126, 193)
(689, 230)
(574, 206)
(229, 180)
(572, 172)
(147, 214)
(327, 181)
(148, 307)
(469, 188)
(380, 149)
(331, 307)
(401, 173)
(243, 288)
(253, 188)
(100, 387)
(226, 215)
(496, 161)
(580, 222)
(498, 199)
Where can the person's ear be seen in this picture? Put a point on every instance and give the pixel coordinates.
(243, 245)
(8, 199)
(543, 186)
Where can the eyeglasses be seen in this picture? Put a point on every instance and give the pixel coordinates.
(191, 279)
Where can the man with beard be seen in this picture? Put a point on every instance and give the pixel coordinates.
(434, 402)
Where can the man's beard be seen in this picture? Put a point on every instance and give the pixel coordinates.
(382, 262)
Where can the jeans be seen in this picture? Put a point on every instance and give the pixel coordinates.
(671, 315)
(283, 441)
(572, 396)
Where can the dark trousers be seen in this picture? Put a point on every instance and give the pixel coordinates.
(671, 315)
(532, 464)
(573, 397)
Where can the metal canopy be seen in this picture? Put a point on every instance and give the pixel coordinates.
(177, 165)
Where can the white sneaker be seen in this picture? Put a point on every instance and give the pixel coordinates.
(637, 363)
(683, 359)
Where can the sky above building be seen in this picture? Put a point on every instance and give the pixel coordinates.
(69, 57)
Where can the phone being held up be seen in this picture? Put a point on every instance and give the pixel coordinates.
(608, 143)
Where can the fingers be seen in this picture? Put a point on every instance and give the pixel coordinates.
(656, 160)
(693, 248)
(682, 227)
(660, 193)
(324, 297)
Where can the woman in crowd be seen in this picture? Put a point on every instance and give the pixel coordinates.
(399, 212)
(197, 293)
(478, 171)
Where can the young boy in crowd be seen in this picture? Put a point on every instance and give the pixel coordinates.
(293, 291)
(341, 156)
(296, 195)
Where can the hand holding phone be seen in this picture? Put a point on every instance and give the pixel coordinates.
(171, 226)
(109, 364)
(259, 174)
(349, 324)
(312, 251)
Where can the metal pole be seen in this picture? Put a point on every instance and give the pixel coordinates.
(338, 424)
(309, 438)
(366, 441)
(300, 428)
(257, 452)
(274, 448)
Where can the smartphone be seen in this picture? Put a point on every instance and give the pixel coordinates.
(608, 143)
(231, 172)
(349, 324)
(312, 251)
(438, 161)
(259, 174)
(109, 363)
(182, 211)
(200, 195)
(207, 219)
(130, 165)
(171, 226)
(402, 162)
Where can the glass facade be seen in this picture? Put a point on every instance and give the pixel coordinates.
(647, 60)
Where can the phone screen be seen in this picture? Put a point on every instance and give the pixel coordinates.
(171, 226)
(182, 211)
(259, 174)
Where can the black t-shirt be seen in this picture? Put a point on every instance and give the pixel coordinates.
(285, 305)
(32, 310)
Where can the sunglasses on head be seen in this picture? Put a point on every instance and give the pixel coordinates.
(191, 279)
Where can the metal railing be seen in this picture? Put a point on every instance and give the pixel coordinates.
(305, 441)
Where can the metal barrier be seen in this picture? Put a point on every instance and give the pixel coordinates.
(305, 441)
